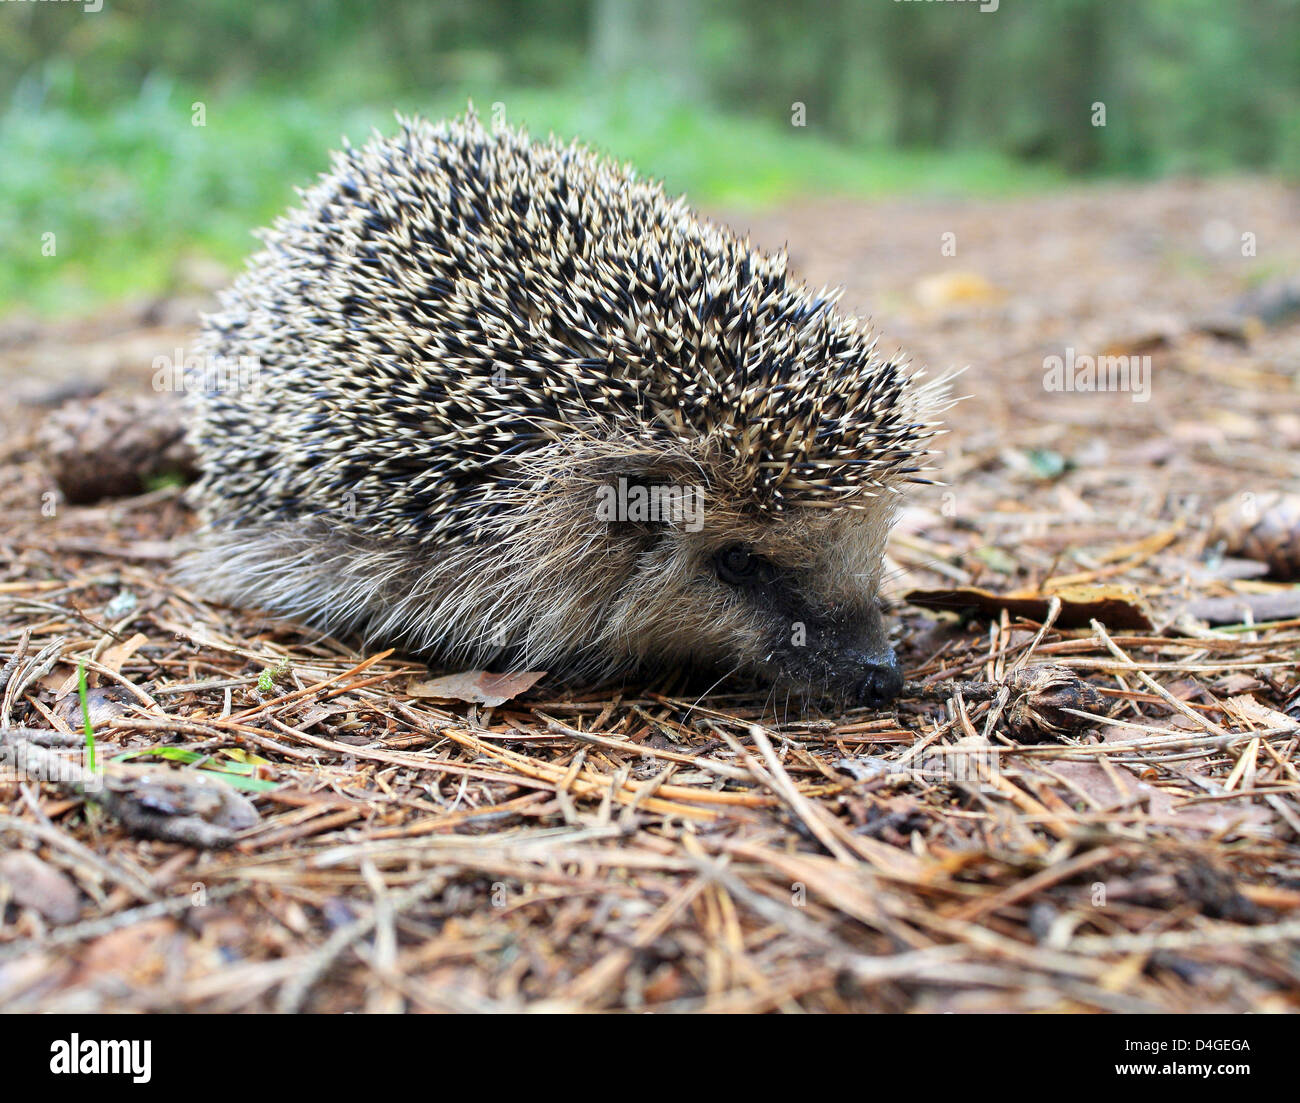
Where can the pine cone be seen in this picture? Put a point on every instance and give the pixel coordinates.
(112, 446)
(1039, 697)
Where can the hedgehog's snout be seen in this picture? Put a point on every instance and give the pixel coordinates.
(880, 683)
(846, 655)
(868, 673)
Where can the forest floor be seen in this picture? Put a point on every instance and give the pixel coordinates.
(642, 847)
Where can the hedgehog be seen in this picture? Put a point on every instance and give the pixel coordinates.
(512, 406)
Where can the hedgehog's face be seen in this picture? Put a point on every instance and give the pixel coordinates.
(812, 609)
(792, 599)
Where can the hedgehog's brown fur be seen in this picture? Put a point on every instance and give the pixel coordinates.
(461, 337)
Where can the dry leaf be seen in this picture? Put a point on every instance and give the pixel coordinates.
(35, 884)
(954, 288)
(102, 703)
(137, 954)
(476, 687)
(1247, 708)
(117, 655)
(1114, 606)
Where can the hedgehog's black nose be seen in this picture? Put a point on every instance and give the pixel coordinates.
(880, 684)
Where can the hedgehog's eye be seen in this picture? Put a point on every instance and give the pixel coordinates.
(738, 565)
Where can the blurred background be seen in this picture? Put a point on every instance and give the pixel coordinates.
(151, 137)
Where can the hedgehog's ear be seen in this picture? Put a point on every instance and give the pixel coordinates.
(638, 463)
(657, 467)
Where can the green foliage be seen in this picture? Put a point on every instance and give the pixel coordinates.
(270, 675)
(99, 150)
(85, 717)
(135, 193)
(241, 775)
